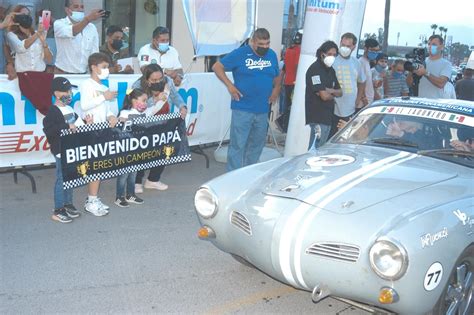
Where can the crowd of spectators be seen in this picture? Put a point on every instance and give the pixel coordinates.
(24, 44)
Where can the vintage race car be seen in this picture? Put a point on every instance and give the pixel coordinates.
(382, 214)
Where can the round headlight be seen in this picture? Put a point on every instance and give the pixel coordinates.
(205, 202)
(388, 260)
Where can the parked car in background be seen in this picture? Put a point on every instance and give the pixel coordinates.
(382, 214)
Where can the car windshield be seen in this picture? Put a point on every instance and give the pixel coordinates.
(448, 136)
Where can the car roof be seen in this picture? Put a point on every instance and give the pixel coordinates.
(449, 105)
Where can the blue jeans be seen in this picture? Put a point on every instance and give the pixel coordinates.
(247, 138)
(315, 141)
(126, 180)
(61, 196)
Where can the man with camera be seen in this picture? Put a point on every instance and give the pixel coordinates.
(76, 37)
(436, 72)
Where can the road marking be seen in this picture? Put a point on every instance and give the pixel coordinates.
(250, 300)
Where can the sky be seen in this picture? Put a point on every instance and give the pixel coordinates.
(413, 18)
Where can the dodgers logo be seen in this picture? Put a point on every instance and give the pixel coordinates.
(257, 64)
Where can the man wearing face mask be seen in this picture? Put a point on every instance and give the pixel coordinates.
(256, 85)
(76, 38)
(351, 78)
(322, 87)
(113, 48)
(437, 71)
(371, 52)
(160, 52)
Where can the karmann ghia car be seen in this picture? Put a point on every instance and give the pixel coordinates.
(382, 214)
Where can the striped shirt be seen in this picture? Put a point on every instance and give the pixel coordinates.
(396, 86)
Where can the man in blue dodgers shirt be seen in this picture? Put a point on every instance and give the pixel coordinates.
(256, 85)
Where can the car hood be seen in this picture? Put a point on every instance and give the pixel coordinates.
(349, 178)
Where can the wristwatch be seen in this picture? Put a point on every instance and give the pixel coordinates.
(427, 74)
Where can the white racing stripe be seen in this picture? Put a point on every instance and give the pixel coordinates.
(293, 224)
(302, 232)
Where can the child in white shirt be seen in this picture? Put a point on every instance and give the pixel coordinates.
(95, 99)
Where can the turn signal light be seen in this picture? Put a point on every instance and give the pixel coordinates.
(206, 232)
(387, 296)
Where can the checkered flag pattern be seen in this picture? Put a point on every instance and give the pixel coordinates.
(149, 119)
(105, 124)
(86, 128)
(129, 169)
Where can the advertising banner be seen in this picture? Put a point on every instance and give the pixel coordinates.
(97, 152)
(22, 141)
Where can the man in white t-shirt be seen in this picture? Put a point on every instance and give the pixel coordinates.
(371, 51)
(159, 51)
(76, 38)
(351, 78)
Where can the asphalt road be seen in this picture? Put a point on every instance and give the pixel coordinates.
(142, 259)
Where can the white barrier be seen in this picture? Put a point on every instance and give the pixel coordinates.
(22, 141)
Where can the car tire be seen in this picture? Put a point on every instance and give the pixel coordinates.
(242, 261)
(462, 272)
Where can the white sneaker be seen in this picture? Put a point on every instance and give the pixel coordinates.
(94, 207)
(138, 188)
(103, 205)
(155, 185)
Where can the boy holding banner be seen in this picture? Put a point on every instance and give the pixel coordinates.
(61, 116)
(95, 99)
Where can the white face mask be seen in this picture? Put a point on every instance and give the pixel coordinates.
(345, 51)
(104, 74)
(77, 16)
(329, 60)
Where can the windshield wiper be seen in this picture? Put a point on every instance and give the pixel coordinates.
(451, 152)
(395, 141)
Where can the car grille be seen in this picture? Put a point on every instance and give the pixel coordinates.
(336, 251)
(241, 222)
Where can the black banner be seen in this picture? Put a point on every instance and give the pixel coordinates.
(97, 152)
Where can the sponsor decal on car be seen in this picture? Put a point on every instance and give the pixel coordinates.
(429, 239)
(330, 160)
(426, 103)
(421, 112)
(464, 218)
(433, 276)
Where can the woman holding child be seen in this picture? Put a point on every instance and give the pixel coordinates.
(159, 89)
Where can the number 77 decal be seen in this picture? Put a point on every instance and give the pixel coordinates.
(433, 276)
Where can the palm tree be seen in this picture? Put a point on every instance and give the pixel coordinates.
(434, 27)
(445, 32)
(441, 30)
(386, 23)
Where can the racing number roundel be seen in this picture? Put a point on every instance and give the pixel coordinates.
(433, 276)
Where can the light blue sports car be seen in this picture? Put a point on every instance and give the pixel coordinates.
(382, 214)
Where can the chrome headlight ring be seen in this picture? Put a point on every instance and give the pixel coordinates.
(206, 202)
(388, 259)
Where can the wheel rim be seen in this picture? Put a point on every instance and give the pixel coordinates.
(459, 295)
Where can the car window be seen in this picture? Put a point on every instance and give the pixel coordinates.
(437, 138)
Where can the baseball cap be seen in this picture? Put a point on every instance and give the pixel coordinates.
(61, 84)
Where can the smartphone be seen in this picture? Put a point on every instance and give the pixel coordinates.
(46, 19)
(106, 14)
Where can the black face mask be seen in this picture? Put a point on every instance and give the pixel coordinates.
(117, 44)
(158, 87)
(24, 20)
(261, 51)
